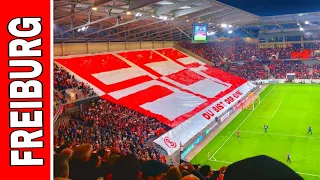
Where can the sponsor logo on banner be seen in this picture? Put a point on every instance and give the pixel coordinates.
(169, 142)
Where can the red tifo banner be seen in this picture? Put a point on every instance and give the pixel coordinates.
(26, 103)
(147, 81)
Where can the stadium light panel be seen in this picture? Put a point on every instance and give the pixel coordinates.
(94, 8)
(128, 13)
(230, 32)
(230, 26)
(301, 29)
(185, 7)
(224, 25)
(138, 14)
(165, 3)
(306, 22)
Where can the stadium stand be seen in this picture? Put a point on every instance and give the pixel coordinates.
(239, 50)
(248, 70)
(279, 69)
(63, 82)
(133, 102)
(113, 123)
(316, 71)
(101, 137)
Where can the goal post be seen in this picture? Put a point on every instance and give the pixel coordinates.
(251, 101)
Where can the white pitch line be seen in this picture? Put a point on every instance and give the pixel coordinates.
(316, 175)
(307, 174)
(241, 124)
(277, 109)
(221, 161)
(253, 132)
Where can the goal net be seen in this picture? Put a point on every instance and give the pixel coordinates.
(251, 102)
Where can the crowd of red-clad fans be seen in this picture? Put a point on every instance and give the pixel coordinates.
(239, 50)
(279, 69)
(236, 50)
(83, 163)
(249, 70)
(104, 124)
(63, 81)
(316, 71)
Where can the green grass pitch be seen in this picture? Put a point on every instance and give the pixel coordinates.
(288, 110)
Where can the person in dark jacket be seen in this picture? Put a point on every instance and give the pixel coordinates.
(206, 171)
(80, 169)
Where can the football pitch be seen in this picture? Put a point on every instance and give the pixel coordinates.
(288, 110)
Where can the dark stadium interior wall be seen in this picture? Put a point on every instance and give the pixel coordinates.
(63, 49)
(251, 40)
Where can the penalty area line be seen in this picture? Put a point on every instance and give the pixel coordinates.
(276, 134)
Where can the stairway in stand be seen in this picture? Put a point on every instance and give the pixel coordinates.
(268, 70)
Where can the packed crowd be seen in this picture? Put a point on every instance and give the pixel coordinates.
(63, 81)
(248, 70)
(239, 50)
(235, 50)
(316, 71)
(104, 124)
(203, 50)
(255, 70)
(83, 163)
(279, 69)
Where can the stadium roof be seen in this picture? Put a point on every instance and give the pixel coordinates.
(135, 20)
(275, 7)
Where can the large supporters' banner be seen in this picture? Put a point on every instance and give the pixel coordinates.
(26, 71)
(170, 141)
(305, 54)
(164, 84)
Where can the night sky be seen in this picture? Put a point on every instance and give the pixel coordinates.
(275, 7)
